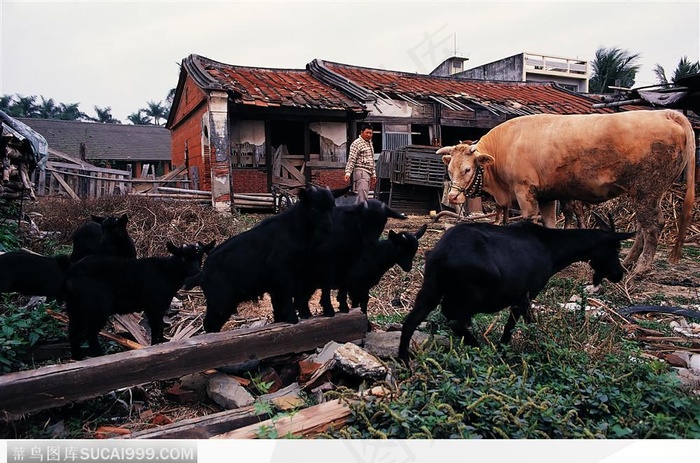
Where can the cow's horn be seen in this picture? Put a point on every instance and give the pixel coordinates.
(445, 150)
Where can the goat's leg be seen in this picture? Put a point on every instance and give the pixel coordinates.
(76, 328)
(301, 302)
(155, 321)
(328, 310)
(342, 298)
(427, 299)
(516, 311)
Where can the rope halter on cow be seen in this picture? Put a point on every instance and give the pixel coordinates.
(474, 189)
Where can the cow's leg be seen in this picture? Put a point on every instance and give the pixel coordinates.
(527, 201)
(427, 299)
(649, 224)
(548, 211)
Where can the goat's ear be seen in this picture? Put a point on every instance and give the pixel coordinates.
(393, 235)
(421, 231)
(97, 218)
(123, 219)
(208, 247)
(172, 249)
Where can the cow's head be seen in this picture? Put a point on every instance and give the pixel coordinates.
(464, 163)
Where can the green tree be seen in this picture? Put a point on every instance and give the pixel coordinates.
(139, 118)
(684, 68)
(157, 111)
(104, 116)
(613, 67)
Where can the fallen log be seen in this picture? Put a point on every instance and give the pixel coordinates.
(304, 423)
(51, 386)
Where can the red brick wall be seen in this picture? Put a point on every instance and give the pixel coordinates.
(249, 181)
(188, 128)
(190, 132)
(332, 178)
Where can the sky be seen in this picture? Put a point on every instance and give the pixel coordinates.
(124, 54)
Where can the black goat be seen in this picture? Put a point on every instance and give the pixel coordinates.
(484, 268)
(398, 248)
(268, 258)
(34, 275)
(105, 236)
(99, 286)
(355, 228)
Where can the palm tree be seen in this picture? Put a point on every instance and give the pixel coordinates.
(157, 111)
(104, 116)
(684, 68)
(613, 67)
(24, 106)
(70, 112)
(6, 101)
(48, 108)
(138, 118)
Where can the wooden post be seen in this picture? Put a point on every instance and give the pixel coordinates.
(51, 386)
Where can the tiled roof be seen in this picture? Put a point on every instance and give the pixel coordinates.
(268, 87)
(511, 98)
(120, 142)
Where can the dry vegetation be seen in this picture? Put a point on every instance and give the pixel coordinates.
(153, 222)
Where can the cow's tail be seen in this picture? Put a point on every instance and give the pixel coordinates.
(689, 201)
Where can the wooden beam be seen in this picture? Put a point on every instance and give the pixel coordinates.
(63, 183)
(51, 386)
(204, 427)
(304, 423)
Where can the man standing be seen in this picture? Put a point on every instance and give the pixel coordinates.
(361, 164)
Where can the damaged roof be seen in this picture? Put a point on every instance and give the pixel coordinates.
(119, 142)
(500, 97)
(267, 87)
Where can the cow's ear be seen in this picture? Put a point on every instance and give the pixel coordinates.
(123, 220)
(484, 159)
(97, 218)
(446, 159)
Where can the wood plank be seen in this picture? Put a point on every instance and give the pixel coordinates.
(27, 391)
(204, 427)
(63, 183)
(293, 171)
(304, 423)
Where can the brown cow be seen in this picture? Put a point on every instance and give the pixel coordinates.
(593, 157)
